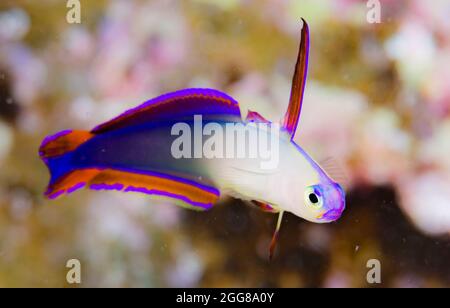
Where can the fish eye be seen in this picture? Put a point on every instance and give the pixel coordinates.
(313, 198)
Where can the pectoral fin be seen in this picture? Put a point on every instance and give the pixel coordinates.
(335, 170)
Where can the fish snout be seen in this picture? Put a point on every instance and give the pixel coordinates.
(334, 203)
(338, 201)
(332, 215)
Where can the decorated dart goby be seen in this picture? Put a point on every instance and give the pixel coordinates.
(185, 146)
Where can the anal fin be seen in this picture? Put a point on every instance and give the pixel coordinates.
(188, 193)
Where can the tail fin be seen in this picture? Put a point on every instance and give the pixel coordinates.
(56, 152)
(62, 143)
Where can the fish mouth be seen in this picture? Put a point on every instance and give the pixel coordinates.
(331, 215)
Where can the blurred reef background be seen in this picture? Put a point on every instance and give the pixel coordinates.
(377, 100)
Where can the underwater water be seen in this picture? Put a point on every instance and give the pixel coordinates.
(377, 100)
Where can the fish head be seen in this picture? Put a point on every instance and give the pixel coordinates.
(324, 202)
(313, 194)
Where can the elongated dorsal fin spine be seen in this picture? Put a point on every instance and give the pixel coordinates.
(292, 116)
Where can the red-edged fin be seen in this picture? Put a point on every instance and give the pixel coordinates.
(265, 207)
(62, 143)
(198, 196)
(189, 194)
(70, 182)
(253, 116)
(292, 116)
(176, 105)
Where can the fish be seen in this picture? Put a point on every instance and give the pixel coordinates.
(193, 146)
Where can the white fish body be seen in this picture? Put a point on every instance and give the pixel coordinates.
(282, 186)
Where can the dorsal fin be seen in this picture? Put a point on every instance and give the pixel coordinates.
(292, 116)
(253, 116)
(175, 105)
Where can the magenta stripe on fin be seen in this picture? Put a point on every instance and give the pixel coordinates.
(175, 105)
